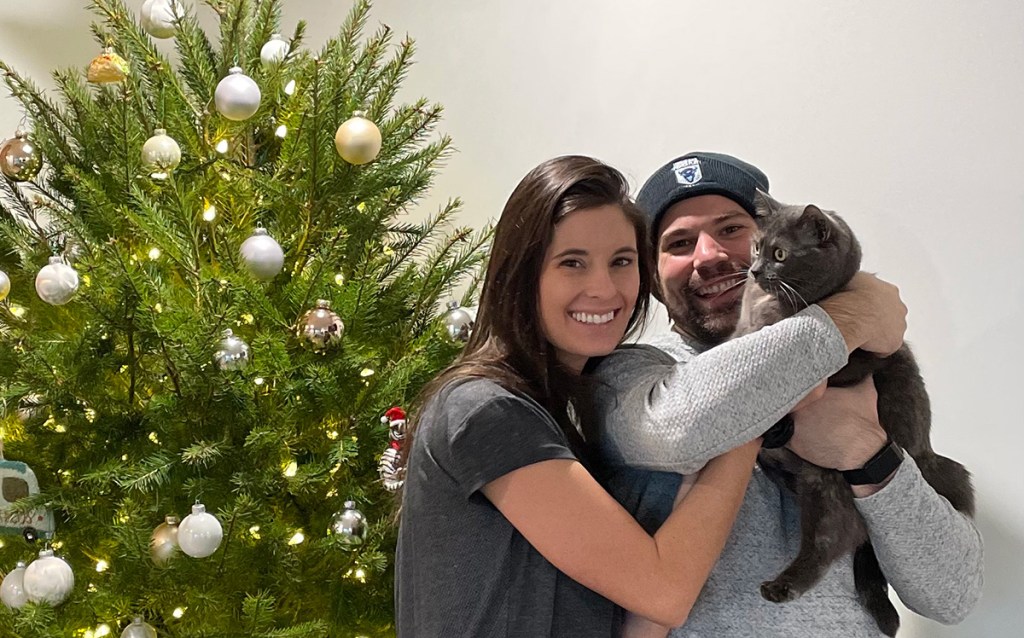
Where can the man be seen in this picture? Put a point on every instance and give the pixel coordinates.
(701, 210)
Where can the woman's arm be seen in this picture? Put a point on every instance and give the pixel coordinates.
(570, 519)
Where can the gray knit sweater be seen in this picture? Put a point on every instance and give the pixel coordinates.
(660, 414)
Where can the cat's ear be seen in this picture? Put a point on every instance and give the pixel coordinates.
(814, 218)
(764, 205)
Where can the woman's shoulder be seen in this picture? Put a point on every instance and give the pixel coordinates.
(467, 399)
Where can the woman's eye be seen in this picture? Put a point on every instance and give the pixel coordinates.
(623, 261)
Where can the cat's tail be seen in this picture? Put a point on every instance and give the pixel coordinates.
(950, 479)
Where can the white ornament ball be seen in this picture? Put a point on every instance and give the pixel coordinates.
(358, 140)
(237, 96)
(232, 353)
(160, 153)
(12, 589)
(262, 255)
(274, 51)
(199, 535)
(158, 17)
(5, 285)
(56, 282)
(48, 579)
(139, 629)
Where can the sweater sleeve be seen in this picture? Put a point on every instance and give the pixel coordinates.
(659, 414)
(931, 554)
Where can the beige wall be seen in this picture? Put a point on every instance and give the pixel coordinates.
(904, 116)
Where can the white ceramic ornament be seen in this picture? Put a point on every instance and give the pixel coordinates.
(48, 579)
(158, 17)
(12, 589)
(274, 51)
(5, 285)
(139, 629)
(237, 96)
(262, 255)
(56, 282)
(199, 534)
(161, 154)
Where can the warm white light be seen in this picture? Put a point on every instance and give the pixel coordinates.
(222, 146)
(281, 131)
(153, 437)
(102, 566)
(210, 213)
(296, 539)
(178, 612)
(154, 253)
(366, 372)
(339, 279)
(258, 381)
(102, 630)
(291, 469)
(254, 531)
(289, 88)
(17, 311)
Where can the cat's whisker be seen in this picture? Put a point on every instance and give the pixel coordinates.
(792, 291)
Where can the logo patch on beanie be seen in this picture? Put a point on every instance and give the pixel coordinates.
(687, 171)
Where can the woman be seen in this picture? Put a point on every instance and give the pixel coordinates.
(498, 497)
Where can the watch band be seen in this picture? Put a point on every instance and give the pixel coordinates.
(878, 467)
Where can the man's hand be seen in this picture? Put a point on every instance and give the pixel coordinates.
(841, 430)
(869, 313)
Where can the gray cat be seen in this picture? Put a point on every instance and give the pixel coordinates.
(803, 254)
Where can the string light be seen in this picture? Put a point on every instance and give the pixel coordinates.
(154, 253)
(102, 630)
(289, 89)
(254, 531)
(281, 131)
(291, 469)
(297, 538)
(366, 372)
(178, 612)
(102, 566)
(222, 146)
(209, 212)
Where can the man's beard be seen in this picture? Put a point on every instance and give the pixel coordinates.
(709, 327)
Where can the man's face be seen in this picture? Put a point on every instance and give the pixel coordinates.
(703, 253)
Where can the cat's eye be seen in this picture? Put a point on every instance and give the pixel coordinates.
(755, 250)
(781, 254)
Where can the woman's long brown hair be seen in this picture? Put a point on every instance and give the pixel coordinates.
(507, 344)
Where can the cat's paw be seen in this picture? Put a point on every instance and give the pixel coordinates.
(778, 591)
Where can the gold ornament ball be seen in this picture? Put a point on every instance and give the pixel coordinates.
(19, 158)
(358, 140)
(161, 154)
(164, 541)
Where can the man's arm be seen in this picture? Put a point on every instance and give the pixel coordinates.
(929, 552)
(659, 414)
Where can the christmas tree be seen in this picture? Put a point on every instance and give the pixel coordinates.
(151, 206)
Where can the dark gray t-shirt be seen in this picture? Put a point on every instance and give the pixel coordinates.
(462, 569)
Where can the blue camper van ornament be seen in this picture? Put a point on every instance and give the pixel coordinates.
(17, 480)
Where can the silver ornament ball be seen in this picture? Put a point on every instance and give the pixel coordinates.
(237, 96)
(320, 328)
(232, 353)
(349, 524)
(56, 282)
(139, 629)
(458, 322)
(262, 255)
(20, 159)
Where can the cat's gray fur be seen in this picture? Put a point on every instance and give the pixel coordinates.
(820, 255)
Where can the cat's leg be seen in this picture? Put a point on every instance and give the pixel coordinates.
(950, 479)
(873, 589)
(829, 528)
